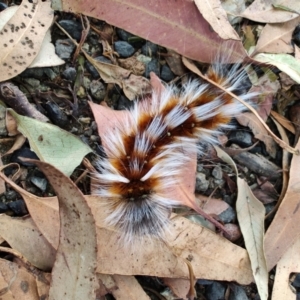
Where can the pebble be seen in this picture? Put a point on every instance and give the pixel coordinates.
(97, 90)
(166, 74)
(37, 73)
(2, 6)
(26, 153)
(39, 182)
(92, 70)
(149, 49)
(217, 172)
(201, 183)
(152, 66)
(214, 291)
(64, 48)
(18, 207)
(124, 49)
(228, 216)
(124, 103)
(73, 27)
(241, 137)
(3, 207)
(50, 73)
(237, 293)
(11, 195)
(70, 73)
(124, 35)
(55, 114)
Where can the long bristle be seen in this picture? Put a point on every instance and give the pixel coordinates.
(145, 154)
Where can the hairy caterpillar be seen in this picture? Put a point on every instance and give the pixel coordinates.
(145, 154)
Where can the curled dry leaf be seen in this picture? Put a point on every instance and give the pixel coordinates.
(215, 15)
(213, 256)
(176, 25)
(18, 48)
(73, 274)
(251, 215)
(284, 229)
(259, 131)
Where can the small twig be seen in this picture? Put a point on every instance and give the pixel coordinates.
(84, 34)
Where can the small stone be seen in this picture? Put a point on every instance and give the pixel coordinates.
(166, 74)
(152, 66)
(97, 90)
(124, 103)
(3, 207)
(56, 115)
(37, 73)
(234, 232)
(11, 195)
(73, 27)
(50, 73)
(124, 49)
(201, 183)
(2, 6)
(64, 48)
(39, 182)
(214, 291)
(241, 138)
(149, 49)
(144, 59)
(217, 172)
(124, 35)
(227, 216)
(237, 293)
(18, 207)
(70, 73)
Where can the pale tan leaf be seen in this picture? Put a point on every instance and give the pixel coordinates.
(22, 37)
(289, 263)
(76, 254)
(215, 15)
(276, 38)
(179, 287)
(225, 157)
(16, 282)
(265, 12)
(259, 131)
(23, 235)
(128, 288)
(46, 56)
(251, 215)
(6, 14)
(284, 229)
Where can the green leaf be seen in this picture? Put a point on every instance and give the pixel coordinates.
(284, 62)
(52, 144)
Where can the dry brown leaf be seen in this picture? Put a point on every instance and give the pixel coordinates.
(18, 143)
(284, 229)
(16, 282)
(176, 25)
(133, 86)
(276, 38)
(259, 131)
(175, 62)
(22, 235)
(283, 121)
(73, 274)
(22, 37)
(179, 287)
(229, 262)
(265, 12)
(290, 262)
(128, 288)
(210, 205)
(215, 15)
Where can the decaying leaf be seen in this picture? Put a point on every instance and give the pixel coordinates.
(22, 235)
(284, 229)
(52, 144)
(73, 274)
(175, 25)
(251, 215)
(215, 15)
(22, 36)
(259, 131)
(229, 263)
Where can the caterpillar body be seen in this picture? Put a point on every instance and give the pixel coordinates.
(145, 154)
